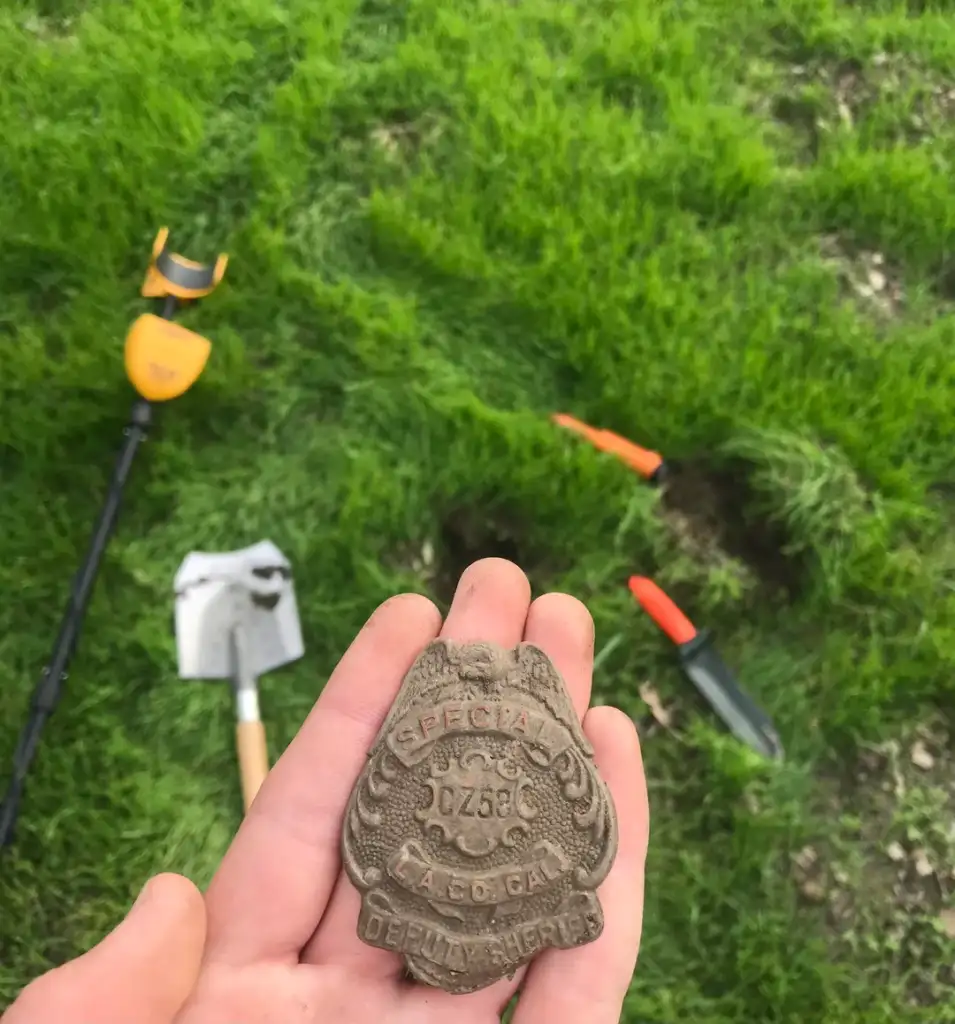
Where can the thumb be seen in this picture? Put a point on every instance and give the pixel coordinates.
(143, 971)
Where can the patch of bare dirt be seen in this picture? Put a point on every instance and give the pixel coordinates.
(403, 137)
(821, 97)
(469, 533)
(50, 28)
(945, 280)
(883, 872)
(866, 277)
(707, 507)
(889, 99)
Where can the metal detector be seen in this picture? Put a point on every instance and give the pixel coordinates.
(163, 360)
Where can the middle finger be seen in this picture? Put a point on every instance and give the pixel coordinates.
(490, 603)
(562, 627)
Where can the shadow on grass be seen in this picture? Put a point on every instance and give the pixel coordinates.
(471, 532)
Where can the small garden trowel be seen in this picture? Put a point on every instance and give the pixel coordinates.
(237, 618)
(708, 672)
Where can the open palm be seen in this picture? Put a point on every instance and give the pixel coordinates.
(277, 939)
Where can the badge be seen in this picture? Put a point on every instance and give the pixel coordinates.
(479, 829)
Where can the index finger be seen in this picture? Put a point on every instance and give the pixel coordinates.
(272, 886)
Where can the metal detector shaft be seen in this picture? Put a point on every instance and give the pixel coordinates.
(48, 690)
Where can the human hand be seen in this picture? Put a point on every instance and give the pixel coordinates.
(275, 939)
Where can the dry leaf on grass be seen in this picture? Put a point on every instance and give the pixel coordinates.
(813, 890)
(920, 756)
(923, 866)
(895, 852)
(805, 858)
(947, 920)
(877, 280)
(651, 698)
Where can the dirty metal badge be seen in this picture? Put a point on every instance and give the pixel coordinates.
(479, 829)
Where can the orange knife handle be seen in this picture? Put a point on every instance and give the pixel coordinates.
(662, 610)
(592, 434)
(644, 461)
(647, 463)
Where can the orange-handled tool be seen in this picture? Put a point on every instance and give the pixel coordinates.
(662, 610)
(707, 671)
(647, 463)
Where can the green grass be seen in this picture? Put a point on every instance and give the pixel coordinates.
(445, 221)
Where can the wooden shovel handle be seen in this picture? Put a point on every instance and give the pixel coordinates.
(253, 758)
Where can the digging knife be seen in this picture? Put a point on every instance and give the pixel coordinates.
(707, 671)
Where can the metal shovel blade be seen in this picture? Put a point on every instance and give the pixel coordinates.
(216, 591)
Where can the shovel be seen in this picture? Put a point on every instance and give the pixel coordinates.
(237, 618)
